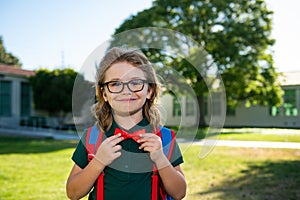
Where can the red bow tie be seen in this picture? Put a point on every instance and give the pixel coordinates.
(135, 135)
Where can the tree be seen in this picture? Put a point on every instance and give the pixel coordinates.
(52, 90)
(7, 58)
(237, 37)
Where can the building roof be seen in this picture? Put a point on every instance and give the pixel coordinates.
(290, 78)
(13, 70)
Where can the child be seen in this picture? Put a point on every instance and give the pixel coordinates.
(127, 90)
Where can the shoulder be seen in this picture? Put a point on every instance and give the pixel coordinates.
(80, 154)
(166, 133)
(165, 130)
(92, 134)
(170, 146)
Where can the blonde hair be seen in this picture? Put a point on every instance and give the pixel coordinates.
(102, 109)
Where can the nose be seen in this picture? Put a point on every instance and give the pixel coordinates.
(126, 89)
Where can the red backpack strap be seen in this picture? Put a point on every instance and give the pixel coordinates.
(90, 148)
(168, 140)
(93, 140)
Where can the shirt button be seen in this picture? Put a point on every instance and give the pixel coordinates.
(126, 166)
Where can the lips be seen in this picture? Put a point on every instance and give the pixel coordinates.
(127, 99)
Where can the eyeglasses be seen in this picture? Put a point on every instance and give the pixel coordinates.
(135, 85)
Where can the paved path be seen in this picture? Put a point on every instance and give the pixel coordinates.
(40, 133)
(69, 135)
(246, 144)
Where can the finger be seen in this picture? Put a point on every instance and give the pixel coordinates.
(111, 138)
(146, 144)
(150, 149)
(117, 141)
(149, 139)
(143, 145)
(114, 140)
(117, 148)
(117, 155)
(147, 135)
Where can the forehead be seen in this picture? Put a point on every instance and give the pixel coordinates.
(123, 71)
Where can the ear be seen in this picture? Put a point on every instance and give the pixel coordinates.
(104, 95)
(149, 93)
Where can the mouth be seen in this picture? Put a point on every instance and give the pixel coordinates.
(127, 99)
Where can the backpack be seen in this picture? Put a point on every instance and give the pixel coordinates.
(93, 140)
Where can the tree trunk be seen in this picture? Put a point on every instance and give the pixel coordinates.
(201, 113)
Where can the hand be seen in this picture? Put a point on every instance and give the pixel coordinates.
(109, 150)
(152, 143)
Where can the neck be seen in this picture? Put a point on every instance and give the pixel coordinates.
(128, 121)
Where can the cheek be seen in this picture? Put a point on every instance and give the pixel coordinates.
(110, 98)
(144, 94)
(106, 95)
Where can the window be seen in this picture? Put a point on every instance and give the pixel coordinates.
(25, 99)
(216, 108)
(213, 104)
(190, 107)
(289, 105)
(230, 110)
(274, 111)
(5, 98)
(176, 107)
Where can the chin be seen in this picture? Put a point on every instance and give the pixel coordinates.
(129, 112)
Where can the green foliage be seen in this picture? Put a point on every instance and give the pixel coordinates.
(7, 58)
(236, 35)
(52, 90)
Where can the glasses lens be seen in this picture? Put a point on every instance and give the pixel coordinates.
(136, 85)
(115, 86)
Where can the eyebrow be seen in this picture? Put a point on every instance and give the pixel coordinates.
(118, 79)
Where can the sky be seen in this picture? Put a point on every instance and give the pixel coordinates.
(57, 33)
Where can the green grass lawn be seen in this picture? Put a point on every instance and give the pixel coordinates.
(260, 137)
(38, 169)
(243, 173)
(272, 135)
(34, 169)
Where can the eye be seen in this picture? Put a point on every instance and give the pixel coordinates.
(137, 82)
(115, 84)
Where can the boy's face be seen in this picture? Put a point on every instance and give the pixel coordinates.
(126, 102)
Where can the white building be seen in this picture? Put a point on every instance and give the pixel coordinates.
(181, 111)
(15, 95)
